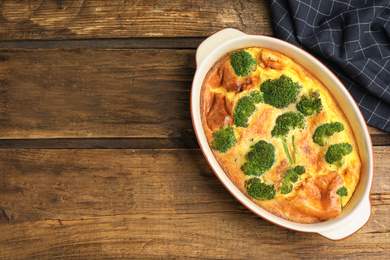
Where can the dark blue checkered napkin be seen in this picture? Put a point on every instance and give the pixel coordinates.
(352, 38)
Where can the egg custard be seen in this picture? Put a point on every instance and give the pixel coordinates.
(279, 135)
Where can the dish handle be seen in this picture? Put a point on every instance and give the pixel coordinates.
(355, 224)
(214, 41)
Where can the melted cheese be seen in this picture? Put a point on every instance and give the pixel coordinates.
(314, 196)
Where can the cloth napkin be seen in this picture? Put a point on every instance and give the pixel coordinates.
(352, 38)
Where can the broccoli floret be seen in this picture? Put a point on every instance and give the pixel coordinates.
(334, 154)
(245, 107)
(242, 62)
(280, 92)
(287, 122)
(310, 104)
(290, 177)
(261, 157)
(299, 169)
(224, 139)
(322, 132)
(342, 192)
(260, 190)
(284, 124)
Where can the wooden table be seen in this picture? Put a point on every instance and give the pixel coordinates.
(98, 156)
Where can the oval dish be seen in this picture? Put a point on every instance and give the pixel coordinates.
(358, 211)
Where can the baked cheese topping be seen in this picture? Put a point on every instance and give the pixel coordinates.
(279, 135)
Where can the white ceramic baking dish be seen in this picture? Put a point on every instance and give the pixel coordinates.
(358, 211)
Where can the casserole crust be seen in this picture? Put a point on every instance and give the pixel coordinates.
(242, 114)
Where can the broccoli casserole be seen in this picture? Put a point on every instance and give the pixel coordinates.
(279, 135)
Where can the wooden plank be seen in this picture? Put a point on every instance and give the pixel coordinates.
(78, 93)
(125, 43)
(101, 143)
(153, 204)
(66, 181)
(205, 236)
(93, 93)
(379, 137)
(186, 140)
(136, 18)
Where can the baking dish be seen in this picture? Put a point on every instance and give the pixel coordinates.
(358, 211)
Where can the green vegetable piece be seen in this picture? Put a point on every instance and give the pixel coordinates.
(342, 192)
(290, 177)
(242, 62)
(245, 108)
(286, 151)
(322, 132)
(284, 124)
(260, 190)
(280, 92)
(295, 153)
(287, 122)
(335, 153)
(261, 157)
(299, 169)
(224, 139)
(310, 104)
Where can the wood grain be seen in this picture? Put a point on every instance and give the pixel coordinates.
(185, 141)
(68, 19)
(92, 93)
(379, 137)
(152, 203)
(121, 43)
